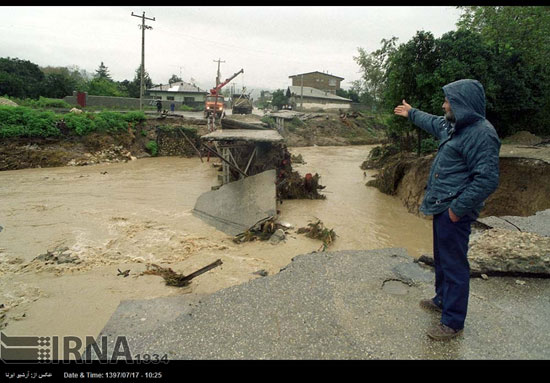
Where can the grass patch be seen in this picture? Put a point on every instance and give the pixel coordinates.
(24, 121)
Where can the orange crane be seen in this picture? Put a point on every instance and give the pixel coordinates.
(214, 101)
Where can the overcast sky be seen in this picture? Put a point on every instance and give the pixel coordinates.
(270, 43)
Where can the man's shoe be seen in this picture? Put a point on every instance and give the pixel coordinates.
(442, 332)
(429, 304)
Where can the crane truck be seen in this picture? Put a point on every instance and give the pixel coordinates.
(214, 101)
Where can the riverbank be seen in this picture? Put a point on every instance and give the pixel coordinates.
(523, 189)
(160, 136)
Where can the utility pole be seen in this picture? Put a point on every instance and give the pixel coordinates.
(218, 76)
(143, 28)
(302, 93)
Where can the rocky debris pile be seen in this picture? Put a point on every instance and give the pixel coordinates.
(510, 246)
(5, 101)
(115, 153)
(523, 138)
(504, 251)
(172, 141)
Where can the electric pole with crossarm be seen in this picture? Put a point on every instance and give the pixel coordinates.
(143, 28)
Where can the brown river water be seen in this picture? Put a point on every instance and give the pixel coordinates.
(128, 215)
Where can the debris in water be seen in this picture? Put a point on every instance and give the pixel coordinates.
(124, 273)
(317, 230)
(174, 279)
(58, 256)
(298, 159)
(262, 231)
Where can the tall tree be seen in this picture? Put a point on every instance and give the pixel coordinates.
(102, 72)
(374, 67)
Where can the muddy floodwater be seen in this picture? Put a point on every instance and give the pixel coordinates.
(124, 216)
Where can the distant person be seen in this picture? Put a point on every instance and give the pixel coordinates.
(464, 173)
(172, 107)
(159, 106)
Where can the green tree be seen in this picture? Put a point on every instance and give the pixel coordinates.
(57, 85)
(374, 67)
(102, 72)
(350, 94)
(133, 86)
(103, 87)
(279, 98)
(174, 79)
(20, 78)
(519, 38)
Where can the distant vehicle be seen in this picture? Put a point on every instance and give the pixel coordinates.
(215, 101)
(241, 103)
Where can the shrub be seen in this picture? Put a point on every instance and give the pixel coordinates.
(26, 122)
(294, 124)
(152, 147)
(82, 123)
(42, 102)
(428, 145)
(269, 121)
(134, 117)
(22, 121)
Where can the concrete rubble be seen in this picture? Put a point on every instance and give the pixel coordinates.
(239, 205)
(509, 245)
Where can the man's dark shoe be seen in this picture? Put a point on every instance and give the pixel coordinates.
(429, 304)
(442, 332)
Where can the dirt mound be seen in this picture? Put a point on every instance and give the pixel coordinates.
(524, 138)
(5, 101)
(329, 129)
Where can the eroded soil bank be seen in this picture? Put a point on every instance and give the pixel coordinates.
(162, 133)
(524, 187)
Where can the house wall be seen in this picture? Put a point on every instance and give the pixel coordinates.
(320, 81)
(319, 103)
(128, 102)
(180, 97)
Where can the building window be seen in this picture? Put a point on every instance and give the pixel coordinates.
(332, 82)
(170, 98)
(189, 99)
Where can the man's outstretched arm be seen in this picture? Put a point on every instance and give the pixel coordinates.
(428, 122)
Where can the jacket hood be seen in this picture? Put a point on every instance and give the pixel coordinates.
(467, 99)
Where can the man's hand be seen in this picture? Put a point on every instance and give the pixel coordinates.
(453, 216)
(402, 110)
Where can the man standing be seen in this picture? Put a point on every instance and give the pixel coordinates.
(464, 173)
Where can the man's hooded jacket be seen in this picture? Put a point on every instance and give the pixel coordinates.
(465, 170)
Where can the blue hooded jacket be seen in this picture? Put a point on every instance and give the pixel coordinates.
(465, 170)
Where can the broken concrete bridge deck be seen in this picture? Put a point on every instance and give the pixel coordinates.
(244, 135)
(339, 305)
